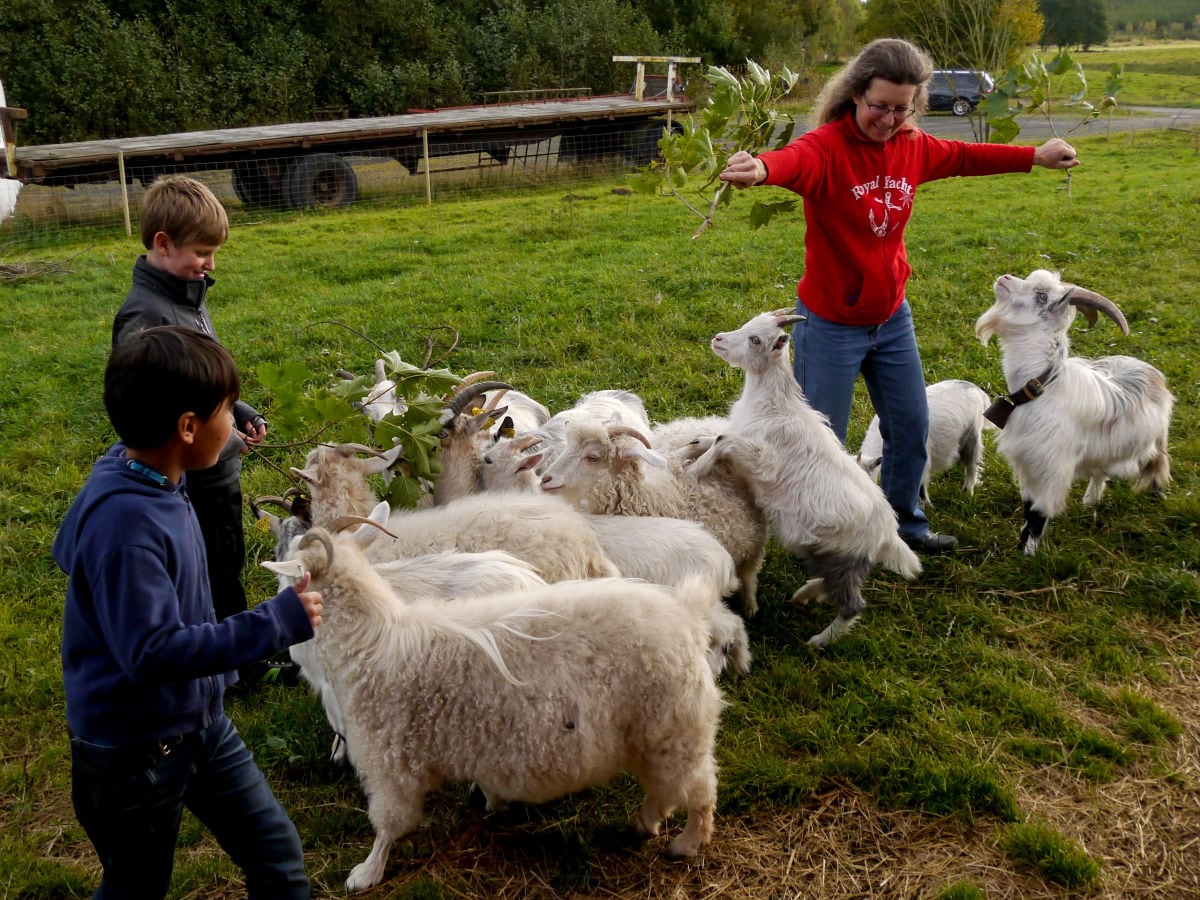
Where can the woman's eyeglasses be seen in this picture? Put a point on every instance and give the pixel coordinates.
(900, 112)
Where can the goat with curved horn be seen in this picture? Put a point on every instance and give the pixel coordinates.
(1089, 303)
(464, 397)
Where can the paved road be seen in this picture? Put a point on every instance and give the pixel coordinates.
(1035, 128)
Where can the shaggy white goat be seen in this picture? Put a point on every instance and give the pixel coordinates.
(956, 425)
(821, 505)
(611, 470)
(439, 577)
(1070, 418)
(530, 695)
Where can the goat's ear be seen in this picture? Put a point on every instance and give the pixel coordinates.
(274, 523)
(382, 463)
(530, 461)
(870, 464)
(364, 535)
(781, 341)
(652, 457)
(289, 568)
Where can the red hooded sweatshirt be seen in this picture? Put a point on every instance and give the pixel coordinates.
(858, 196)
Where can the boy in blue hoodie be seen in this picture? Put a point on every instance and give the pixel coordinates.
(145, 661)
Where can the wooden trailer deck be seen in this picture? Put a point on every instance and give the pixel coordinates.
(496, 124)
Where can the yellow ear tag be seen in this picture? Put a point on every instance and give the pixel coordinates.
(263, 525)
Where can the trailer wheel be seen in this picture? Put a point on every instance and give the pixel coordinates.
(321, 179)
(259, 183)
(641, 144)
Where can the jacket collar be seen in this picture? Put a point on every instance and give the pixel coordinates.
(185, 291)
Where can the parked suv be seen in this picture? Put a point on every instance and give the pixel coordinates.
(958, 90)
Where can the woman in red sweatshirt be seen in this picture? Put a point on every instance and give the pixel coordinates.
(858, 172)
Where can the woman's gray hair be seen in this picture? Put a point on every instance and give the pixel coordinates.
(891, 59)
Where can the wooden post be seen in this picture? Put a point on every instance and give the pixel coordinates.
(124, 192)
(7, 115)
(425, 151)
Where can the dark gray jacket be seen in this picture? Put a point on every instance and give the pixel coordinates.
(159, 298)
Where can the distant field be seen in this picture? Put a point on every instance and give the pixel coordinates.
(1167, 75)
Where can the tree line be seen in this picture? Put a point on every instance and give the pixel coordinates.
(90, 69)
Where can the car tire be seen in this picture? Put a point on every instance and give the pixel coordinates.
(961, 107)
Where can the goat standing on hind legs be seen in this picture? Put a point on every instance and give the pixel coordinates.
(1065, 417)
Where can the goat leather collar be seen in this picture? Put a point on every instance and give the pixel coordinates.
(1002, 407)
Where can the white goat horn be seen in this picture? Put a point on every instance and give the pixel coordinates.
(343, 522)
(1089, 302)
(352, 449)
(628, 431)
(525, 441)
(787, 317)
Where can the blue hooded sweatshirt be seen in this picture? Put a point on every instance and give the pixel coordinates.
(142, 653)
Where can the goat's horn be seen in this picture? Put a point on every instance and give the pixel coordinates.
(628, 431)
(525, 441)
(352, 449)
(465, 396)
(1089, 302)
(786, 317)
(343, 522)
(278, 501)
(470, 379)
(318, 535)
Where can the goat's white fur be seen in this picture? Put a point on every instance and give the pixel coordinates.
(821, 505)
(1096, 418)
(956, 426)
(531, 695)
(604, 470)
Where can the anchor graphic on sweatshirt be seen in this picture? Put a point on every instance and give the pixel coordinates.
(881, 228)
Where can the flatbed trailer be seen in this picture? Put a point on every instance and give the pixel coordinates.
(302, 164)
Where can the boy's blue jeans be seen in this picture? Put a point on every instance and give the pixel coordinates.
(828, 358)
(130, 801)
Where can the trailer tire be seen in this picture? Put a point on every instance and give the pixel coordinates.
(321, 179)
(641, 144)
(258, 184)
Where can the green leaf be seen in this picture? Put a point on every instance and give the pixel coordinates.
(762, 213)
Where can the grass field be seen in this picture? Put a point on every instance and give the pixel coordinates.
(1001, 727)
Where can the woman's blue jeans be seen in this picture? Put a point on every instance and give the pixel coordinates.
(828, 358)
(130, 801)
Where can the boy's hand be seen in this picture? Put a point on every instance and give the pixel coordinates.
(311, 599)
(255, 431)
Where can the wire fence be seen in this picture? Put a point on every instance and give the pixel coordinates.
(405, 173)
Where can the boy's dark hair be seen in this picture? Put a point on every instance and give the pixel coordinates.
(185, 210)
(155, 376)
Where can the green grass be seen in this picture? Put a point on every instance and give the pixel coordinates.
(987, 668)
(1167, 75)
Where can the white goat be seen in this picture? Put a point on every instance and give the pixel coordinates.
(611, 470)
(531, 695)
(439, 577)
(1070, 418)
(956, 425)
(820, 503)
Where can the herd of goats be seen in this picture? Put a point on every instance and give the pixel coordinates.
(588, 556)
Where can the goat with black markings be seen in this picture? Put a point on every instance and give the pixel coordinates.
(1068, 418)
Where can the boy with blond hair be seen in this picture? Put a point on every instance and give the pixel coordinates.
(145, 661)
(182, 226)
